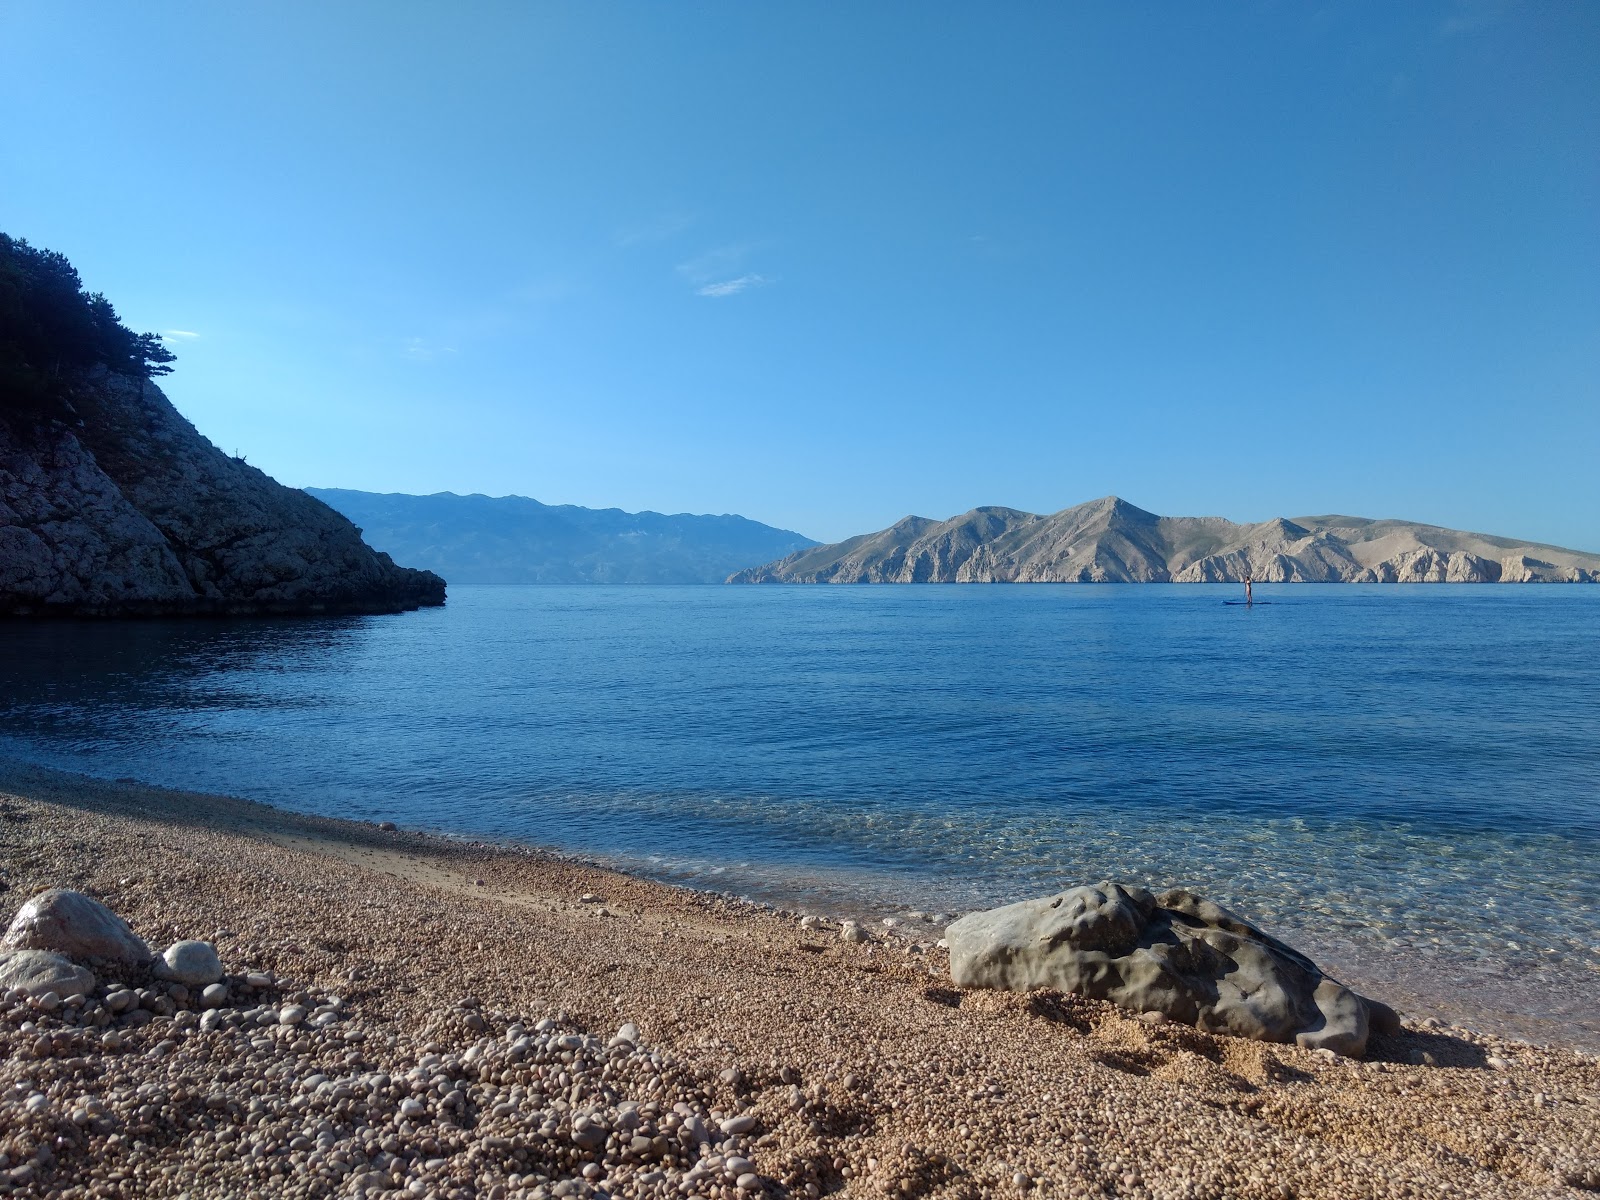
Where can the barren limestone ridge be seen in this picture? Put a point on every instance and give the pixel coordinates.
(1111, 541)
(392, 1014)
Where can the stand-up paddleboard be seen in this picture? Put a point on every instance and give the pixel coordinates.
(1247, 603)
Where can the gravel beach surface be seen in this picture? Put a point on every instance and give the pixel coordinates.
(404, 1015)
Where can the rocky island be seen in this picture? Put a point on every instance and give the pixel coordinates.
(1112, 541)
(112, 504)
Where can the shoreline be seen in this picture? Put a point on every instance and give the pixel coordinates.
(1522, 1005)
(1518, 1006)
(864, 1073)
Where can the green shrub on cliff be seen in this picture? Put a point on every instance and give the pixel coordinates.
(51, 331)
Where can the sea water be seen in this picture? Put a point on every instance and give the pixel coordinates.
(1404, 781)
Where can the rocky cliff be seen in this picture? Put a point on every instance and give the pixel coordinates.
(1112, 541)
(119, 507)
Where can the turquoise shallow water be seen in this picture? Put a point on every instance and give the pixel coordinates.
(1404, 779)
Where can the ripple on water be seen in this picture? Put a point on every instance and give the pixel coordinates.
(1405, 781)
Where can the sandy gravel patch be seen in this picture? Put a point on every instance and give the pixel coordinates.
(498, 1023)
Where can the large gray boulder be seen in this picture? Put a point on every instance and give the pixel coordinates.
(77, 926)
(39, 971)
(1175, 954)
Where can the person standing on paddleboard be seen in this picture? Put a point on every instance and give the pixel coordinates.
(1248, 601)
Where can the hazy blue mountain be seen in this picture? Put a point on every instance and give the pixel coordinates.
(512, 539)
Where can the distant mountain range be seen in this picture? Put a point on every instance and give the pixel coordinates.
(512, 539)
(1112, 541)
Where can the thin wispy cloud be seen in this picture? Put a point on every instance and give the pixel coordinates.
(669, 225)
(722, 261)
(178, 335)
(732, 287)
(422, 350)
(721, 272)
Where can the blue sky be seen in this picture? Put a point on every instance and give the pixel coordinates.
(826, 265)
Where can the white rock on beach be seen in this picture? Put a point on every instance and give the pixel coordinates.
(193, 964)
(39, 972)
(75, 925)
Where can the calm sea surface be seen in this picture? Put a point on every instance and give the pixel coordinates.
(1404, 780)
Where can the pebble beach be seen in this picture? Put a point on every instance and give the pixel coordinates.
(411, 1016)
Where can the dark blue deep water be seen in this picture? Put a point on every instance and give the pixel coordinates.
(1402, 775)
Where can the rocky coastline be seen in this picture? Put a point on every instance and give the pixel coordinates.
(403, 1015)
(125, 510)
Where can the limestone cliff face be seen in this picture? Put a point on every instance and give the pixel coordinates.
(1112, 541)
(131, 512)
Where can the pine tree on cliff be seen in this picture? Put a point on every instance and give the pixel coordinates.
(51, 331)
